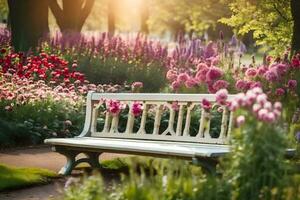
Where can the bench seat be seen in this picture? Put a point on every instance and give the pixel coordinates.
(144, 147)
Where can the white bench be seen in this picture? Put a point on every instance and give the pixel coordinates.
(174, 140)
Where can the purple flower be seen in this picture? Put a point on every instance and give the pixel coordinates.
(297, 136)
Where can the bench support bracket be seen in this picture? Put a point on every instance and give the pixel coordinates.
(92, 158)
(208, 165)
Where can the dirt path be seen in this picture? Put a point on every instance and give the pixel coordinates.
(40, 157)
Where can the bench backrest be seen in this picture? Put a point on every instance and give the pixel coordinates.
(178, 120)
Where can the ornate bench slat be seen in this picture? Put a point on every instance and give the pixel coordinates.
(157, 119)
(180, 120)
(143, 120)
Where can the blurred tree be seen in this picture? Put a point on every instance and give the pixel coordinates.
(271, 21)
(295, 10)
(28, 22)
(144, 11)
(72, 15)
(186, 16)
(111, 18)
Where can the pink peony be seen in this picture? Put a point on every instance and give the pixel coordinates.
(278, 106)
(251, 72)
(220, 84)
(271, 76)
(262, 70)
(114, 107)
(137, 108)
(213, 74)
(191, 82)
(175, 105)
(280, 91)
(292, 84)
(201, 74)
(175, 85)
(241, 85)
(171, 75)
(240, 120)
(137, 85)
(201, 66)
(183, 77)
(221, 96)
(206, 105)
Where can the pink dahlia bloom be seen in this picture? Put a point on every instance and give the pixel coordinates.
(183, 77)
(221, 96)
(241, 85)
(201, 74)
(262, 70)
(251, 72)
(280, 91)
(175, 105)
(206, 105)
(292, 84)
(240, 120)
(175, 85)
(114, 107)
(137, 108)
(171, 75)
(213, 74)
(271, 76)
(191, 82)
(220, 84)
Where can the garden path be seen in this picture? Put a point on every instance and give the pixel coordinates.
(40, 157)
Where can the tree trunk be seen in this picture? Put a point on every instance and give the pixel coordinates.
(111, 17)
(144, 16)
(28, 22)
(295, 9)
(73, 14)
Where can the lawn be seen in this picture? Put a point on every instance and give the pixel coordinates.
(13, 177)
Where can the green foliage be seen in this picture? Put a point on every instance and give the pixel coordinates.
(3, 10)
(32, 123)
(13, 178)
(191, 15)
(269, 20)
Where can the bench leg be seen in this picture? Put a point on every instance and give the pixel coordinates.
(92, 158)
(69, 166)
(209, 166)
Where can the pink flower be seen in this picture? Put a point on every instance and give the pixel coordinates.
(213, 74)
(280, 91)
(251, 72)
(271, 76)
(191, 82)
(201, 74)
(171, 75)
(241, 85)
(281, 69)
(136, 86)
(256, 107)
(137, 108)
(262, 70)
(201, 66)
(221, 96)
(175, 106)
(114, 107)
(278, 106)
(220, 84)
(261, 99)
(292, 84)
(175, 85)
(183, 77)
(206, 105)
(240, 120)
